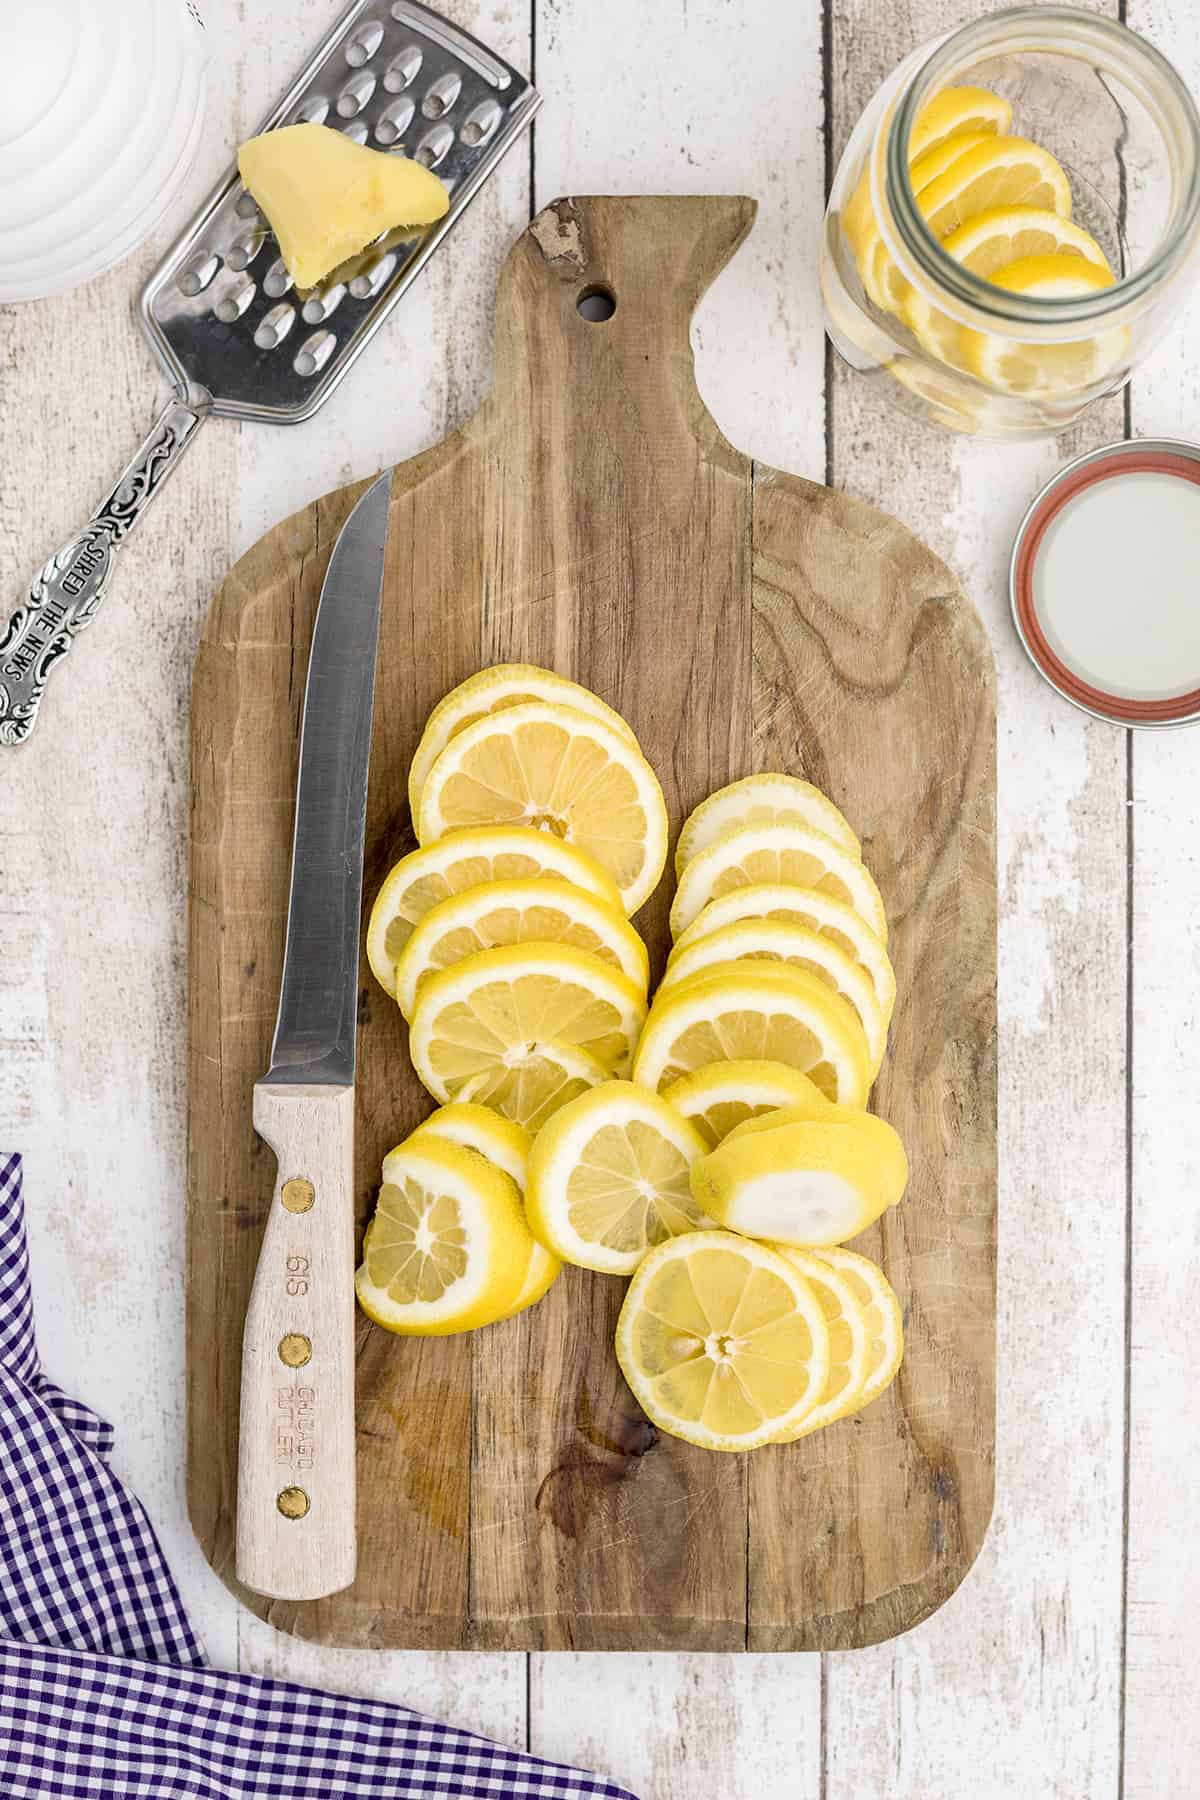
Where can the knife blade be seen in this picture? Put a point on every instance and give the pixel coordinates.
(314, 1031)
(295, 1514)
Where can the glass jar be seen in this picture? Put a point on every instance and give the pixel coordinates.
(909, 260)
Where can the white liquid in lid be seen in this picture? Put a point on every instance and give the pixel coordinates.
(1116, 585)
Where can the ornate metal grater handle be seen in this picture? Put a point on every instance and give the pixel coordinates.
(66, 595)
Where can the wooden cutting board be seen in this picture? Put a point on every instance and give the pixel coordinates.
(592, 518)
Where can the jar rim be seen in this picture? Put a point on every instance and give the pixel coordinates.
(975, 290)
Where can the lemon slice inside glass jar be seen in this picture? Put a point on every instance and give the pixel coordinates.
(1009, 171)
(954, 111)
(987, 245)
(1021, 367)
(991, 240)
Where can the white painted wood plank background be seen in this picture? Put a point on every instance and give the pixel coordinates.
(1064, 1667)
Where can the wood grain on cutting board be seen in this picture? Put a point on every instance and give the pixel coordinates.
(591, 517)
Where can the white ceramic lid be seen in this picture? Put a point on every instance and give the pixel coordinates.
(101, 109)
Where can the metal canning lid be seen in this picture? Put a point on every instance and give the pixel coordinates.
(1105, 595)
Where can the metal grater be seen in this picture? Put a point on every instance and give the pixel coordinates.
(234, 336)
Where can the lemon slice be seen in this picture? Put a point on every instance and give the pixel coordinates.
(850, 1343)
(749, 855)
(885, 1323)
(800, 906)
(759, 1014)
(887, 287)
(1004, 171)
(609, 1178)
(502, 1141)
(723, 1342)
(858, 219)
(506, 1144)
(942, 338)
(1005, 234)
(1039, 368)
(939, 157)
(1056, 277)
(811, 1104)
(771, 940)
(954, 111)
(517, 912)
(761, 800)
(541, 1273)
(448, 1247)
(479, 1027)
(722, 1095)
(498, 853)
(884, 281)
(492, 691)
(944, 398)
(808, 1184)
(881, 278)
(552, 767)
(536, 1080)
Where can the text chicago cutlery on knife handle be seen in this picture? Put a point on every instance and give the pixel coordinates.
(295, 1519)
(65, 595)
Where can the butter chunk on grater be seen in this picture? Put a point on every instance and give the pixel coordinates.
(233, 335)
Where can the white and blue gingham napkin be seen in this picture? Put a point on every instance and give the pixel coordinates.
(104, 1692)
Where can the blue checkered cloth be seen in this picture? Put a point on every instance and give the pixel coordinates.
(104, 1692)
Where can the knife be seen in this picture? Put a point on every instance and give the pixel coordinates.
(295, 1509)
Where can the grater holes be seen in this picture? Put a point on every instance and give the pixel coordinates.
(314, 353)
(372, 281)
(247, 206)
(274, 326)
(395, 120)
(356, 132)
(196, 275)
(243, 251)
(234, 301)
(403, 69)
(355, 94)
(433, 146)
(314, 111)
(442, 95)
(480, 123)
(361, 47)
(323, 304)
(277, 280)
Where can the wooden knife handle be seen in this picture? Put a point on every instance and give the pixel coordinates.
(295, 1513)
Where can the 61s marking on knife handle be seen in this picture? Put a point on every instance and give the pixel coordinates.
(65, 596)
(295, 1521)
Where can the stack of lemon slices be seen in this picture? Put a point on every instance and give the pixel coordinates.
(505, 938)
(448, 1248)
(1001, 205)
(715, 1148)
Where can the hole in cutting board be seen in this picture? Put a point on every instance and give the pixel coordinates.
(596, 304)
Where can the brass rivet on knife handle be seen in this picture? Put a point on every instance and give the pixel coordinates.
(295, 1349)
(298, 1195)
(293, 1502)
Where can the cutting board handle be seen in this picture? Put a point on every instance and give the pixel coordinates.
(295, 1515)
(596, 286)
